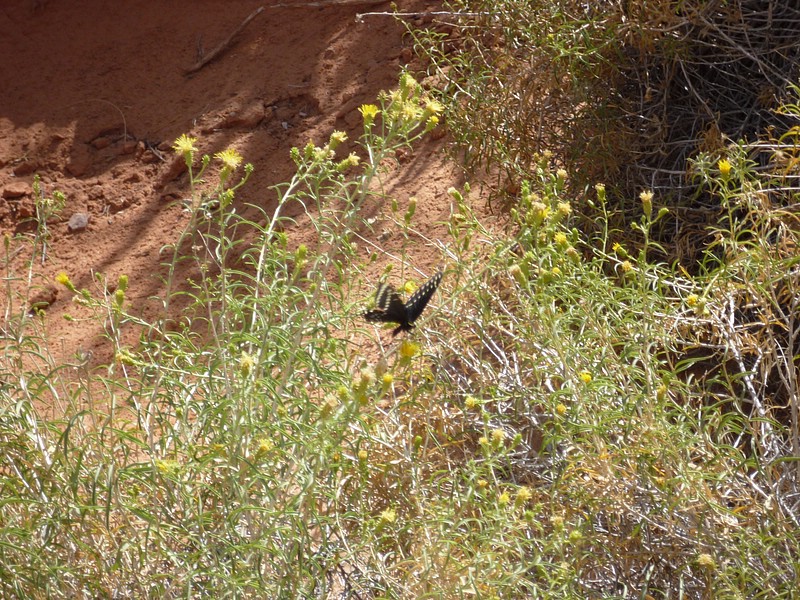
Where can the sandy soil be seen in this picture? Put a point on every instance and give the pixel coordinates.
(93, 98)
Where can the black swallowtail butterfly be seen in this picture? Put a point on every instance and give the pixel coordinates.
(390, 308)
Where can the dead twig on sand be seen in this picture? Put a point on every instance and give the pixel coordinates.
(216, 52)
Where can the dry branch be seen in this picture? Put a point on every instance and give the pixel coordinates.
(216, 52)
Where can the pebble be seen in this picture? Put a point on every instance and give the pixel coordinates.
(16, 189)
(78, 222)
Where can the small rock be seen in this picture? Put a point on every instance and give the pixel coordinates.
(27, 167)
(128, 147)
(16, 189)
(247, 117)
(78, 222)
(80, 161)
(403, 155)
(149, 158)
(42, 299)
(101, 142)
(117, 203)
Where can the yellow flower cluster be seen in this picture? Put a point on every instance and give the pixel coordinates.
(185, 145)
(724, 167)
(229, 158)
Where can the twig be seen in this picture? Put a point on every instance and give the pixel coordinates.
(449, 13)
(224, 45)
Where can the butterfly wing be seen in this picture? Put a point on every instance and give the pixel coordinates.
(383, 296)
(389, 306)
(419, 299)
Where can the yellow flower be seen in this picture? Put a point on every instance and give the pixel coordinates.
(498, 435)
(572, 254)
(408, 349)
(264, 446)
(432, 108)
(524, 494)
(564, 209)
(337, 137)
(706, 561)
(516, 272)
(64, 280)
(561, 409)
(330, 405)
(482, 484)
(585, 376)
(471, 402)
(550, 275)
(412, 208)
(362, 455)
(537, 213)
(168, 467)
(387, 379)
(724, 167)
(367, 375)
(661, 392)
(388, 516)
(601, 192)
(322, 154)
(119, 298)
(351, 161)
(185, 145)
(691, 300)
(368, 113)
(393, 101)
(503, 499)
(229, 158)
(561, 174)
(431, 123)
(410, 112)
(647, 203)
(408, 85)
(246, 363)
(560, 239)
(125, 357)
(626, 266)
